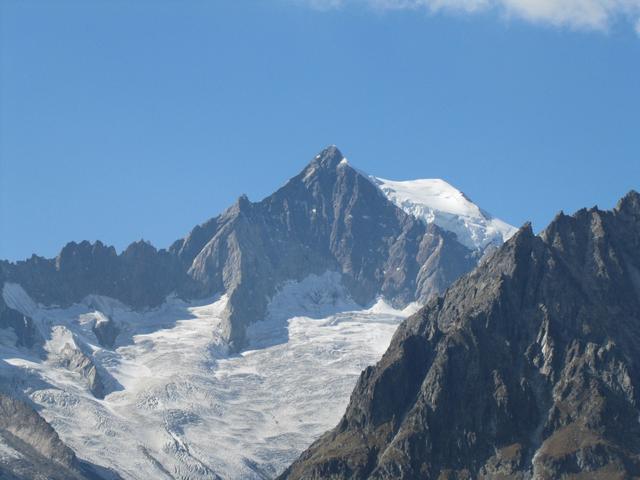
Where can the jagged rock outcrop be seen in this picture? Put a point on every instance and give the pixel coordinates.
(140, 276)
(74, 359)
(36, 451)
(106, 330)
(527, 368)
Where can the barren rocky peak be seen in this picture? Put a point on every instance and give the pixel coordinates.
(527, 367)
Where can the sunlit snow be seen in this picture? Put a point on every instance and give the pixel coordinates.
(178, 404)
(436, 201)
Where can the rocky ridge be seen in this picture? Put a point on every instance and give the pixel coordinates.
(330, 217)
(526, 368)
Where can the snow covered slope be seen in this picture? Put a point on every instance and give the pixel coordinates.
(177, 404)
(436, 201)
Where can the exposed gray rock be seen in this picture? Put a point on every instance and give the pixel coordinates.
(73, 359)
(41, 455)
(328, 218)
(26, 333)
(106, 331)
(140, 276)
(527, 368)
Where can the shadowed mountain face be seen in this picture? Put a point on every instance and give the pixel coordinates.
(32, 450)
(140, 276)
(528, 367)
(328, 218)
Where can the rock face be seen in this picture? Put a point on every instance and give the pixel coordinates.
(26, 334)
(526, 368)
(106, 331)
(22, 326)
(140, 276)
(34, 449)
(330, 217)
(327, 218)
(72, 358)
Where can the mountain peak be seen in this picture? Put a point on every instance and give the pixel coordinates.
(74, 253)
(243, 201)
(329, 157)
(140, 248)
(630, 203)
(324, 163)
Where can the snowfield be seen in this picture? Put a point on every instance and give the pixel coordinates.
(436, 201)
(177, 404)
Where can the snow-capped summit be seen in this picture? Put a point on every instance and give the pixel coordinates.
(436, 201)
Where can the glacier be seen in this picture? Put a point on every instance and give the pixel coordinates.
(177, 403)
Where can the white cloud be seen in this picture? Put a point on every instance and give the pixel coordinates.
(582, 14)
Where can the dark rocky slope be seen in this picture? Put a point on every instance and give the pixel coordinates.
(41, 455)
(527, 368)
(329, 217)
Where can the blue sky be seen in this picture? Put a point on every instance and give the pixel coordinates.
(124, 120)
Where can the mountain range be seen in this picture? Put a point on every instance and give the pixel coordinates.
(229, 352)
(330, 217)
(98, 330)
